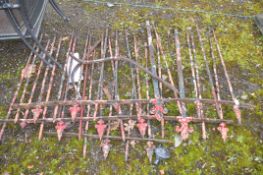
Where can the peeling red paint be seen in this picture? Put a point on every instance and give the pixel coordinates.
(100, 126)
(60, 128)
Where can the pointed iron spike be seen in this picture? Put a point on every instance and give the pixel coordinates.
(222, 128)
(59, 133)
(142, 126)
(74, 110)
(36, 113)
(100, 126)
(150, 150)
(60, 126)
(105, 148)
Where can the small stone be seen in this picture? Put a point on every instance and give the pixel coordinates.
(177, 140)
(110, 4)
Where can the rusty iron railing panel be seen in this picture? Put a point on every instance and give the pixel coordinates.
(124, 82)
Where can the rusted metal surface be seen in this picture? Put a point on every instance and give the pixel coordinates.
(128, 80)
(196, 79)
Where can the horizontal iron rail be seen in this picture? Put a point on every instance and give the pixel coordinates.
(123, 101)
(117, 117)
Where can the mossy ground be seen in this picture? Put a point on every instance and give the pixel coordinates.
(242, 46)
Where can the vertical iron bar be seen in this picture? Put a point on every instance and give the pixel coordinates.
(62, 112)
(90, 90)
(101, 78)
(211, 81)
(153, 64)
(35, 83)
(89, 98)
(159, 74)
(180, 70)
(158, 39)
(134, 95)
(158, 61)
(43, 84)
(85, 70)
(110, 93)
(136, 51)
(113, 69)
(41, 128)
(116, 96)
(230, 87)
(196, 81)
(61, 85)
(25, 87)
(147, 90)
(217, 90)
